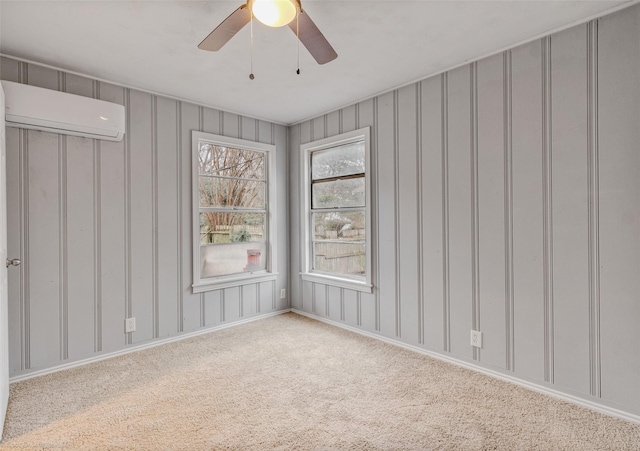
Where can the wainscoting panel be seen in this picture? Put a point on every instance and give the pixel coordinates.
(104, 228)
(506, 199)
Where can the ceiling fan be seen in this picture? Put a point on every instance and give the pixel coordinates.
(274, 13)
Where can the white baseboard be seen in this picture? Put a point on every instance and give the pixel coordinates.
(140, 347)
(514, 380)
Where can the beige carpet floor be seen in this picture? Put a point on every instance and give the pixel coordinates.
(288, 382)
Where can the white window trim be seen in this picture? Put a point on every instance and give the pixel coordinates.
(306, 272)
(233, 280)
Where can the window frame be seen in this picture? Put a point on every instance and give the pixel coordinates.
(270, 272)
(306, 271)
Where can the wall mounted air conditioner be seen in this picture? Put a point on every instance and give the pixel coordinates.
(60, 112)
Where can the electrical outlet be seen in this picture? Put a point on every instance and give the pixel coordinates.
(129, 325)
(283, 293)
(476, 338)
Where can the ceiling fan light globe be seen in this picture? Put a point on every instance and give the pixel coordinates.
(274, 13)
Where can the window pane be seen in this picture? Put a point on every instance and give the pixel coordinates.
(341, 258)
(234, 258)
(218, 192)
(338, 193)
(230, 162)
(220, 228)
(338, 161)
(339, 225)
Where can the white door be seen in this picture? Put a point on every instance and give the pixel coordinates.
(4, 305)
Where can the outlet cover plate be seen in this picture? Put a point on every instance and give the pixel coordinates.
(283, 293)
(476, 338)
(130, 325)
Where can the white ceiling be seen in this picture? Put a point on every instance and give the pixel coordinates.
(380, 44)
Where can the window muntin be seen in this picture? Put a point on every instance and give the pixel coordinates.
(337, 210)
(233, 230)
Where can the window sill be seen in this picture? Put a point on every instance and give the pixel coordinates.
(340, 282)
(233, 281)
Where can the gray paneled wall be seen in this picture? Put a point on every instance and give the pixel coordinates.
(104, 228)
(507, 200)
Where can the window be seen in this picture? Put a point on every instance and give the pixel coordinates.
(336, 211)
(233, 211)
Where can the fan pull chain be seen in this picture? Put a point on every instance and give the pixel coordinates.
(298, 36)
(251, 76)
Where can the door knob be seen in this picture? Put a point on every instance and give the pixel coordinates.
(13, 262)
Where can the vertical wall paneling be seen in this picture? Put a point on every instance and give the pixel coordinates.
(25, 307)
(350, 307)
(127, 210)
(508, 209)
(212, 309)
(266, 297)
(279, 136)
(491, 214)
(419, 213)
(232, 303)
(334, 297)
(386, 222)
(295, 254)
(318, 128)
(97, 237)
(191, 303)
(155, 305)
(616, 162)
(112, 226)
(63, 254)
(80, 236)
(332, 122)
(44, 248)
(307, 297)
(230, 125)
(248, 128)
(459, 144)
(348, 119)
(446, 279)
(211, 120)
(249, 299)
(396, 216)
(407, 226)
(167, 204)
(594, 208)
(141, 214)
(431, 176)
(547, 210)
(475, 245)
(570, 209)
(178, 221)
(528, 264)
(367, 311)
(320, 299)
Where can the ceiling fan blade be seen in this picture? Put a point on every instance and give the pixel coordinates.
(226, 30)
(313, 39)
